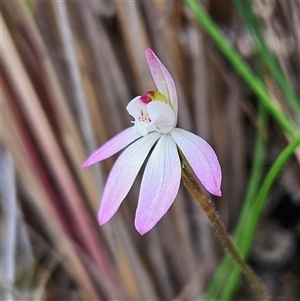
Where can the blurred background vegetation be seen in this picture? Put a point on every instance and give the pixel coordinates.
(68, 70)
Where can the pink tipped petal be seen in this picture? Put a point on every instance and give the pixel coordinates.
(162, 116)
(113, 146)
(159, 185)
(123, 174)
(162, 78)
(202, 159)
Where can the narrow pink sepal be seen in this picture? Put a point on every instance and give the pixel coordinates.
(113, 146)
(159, 185)
(202, 159)
(163, 79)
(123, 174)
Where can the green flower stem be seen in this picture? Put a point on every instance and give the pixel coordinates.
(194, 189)
(241, 67)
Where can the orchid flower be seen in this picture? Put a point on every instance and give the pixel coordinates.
(154, 131)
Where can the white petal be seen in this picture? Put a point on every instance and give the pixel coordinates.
(162, 116)
(202, 159)
(159, 185)
(123, 174)
(134, 107)
(154, 116)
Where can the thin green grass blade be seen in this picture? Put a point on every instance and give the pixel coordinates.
(249, 220)
(241, 67)
(242, 240)
(256, 208)
(267, 57)
(251, 211)
(218, 285)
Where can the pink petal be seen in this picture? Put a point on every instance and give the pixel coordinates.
(202, 159)
(113, 146)
(159, 185)
(162, 78)
(123, 174)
